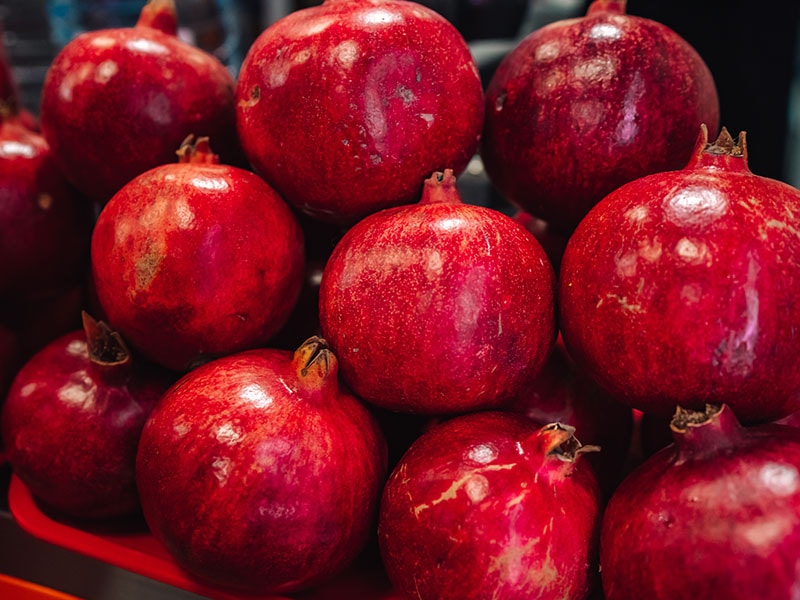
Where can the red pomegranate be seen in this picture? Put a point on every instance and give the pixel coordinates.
(489, 505)
(72, 420)
(438, 307)
(196, 259)
(582, 106)
(45, 225)
(345, 108)
(258, 472)
(714, 515)
(680, 288)
(117, 102)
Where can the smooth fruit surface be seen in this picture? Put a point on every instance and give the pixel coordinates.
(680, 288)
(345, 108)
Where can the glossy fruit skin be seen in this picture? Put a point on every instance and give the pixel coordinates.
(477, 509)
(713, 515)
(680, 288)
(192, 261)
(71, 426)
(117, 102)
(582, 106)
(438, 307)
(45, 225)
(561, 393)
(255, 478)
(345, 108)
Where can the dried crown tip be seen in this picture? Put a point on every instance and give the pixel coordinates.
(567, 446)
(105, 345)
(198, 151)
(685, 418)
(725, 144)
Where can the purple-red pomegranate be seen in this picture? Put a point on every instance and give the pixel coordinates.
(584, 105)
(714, 515)
(562, 393)
(680, 288)
(117, 102)
(489, 505)
(438, 307)
(347, 107)
(72, 420)
(196, 259)
(45, 225)
(258, 472)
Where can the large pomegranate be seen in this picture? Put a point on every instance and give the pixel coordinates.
(680, 288)
(117, 102)
(582, 106)
(72, 420)
(259, 472)
(714, 515)
(345, 108)
(196, 259)
(440, 306)
(490, 505)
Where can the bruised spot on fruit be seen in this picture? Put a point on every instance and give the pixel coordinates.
(147, 268)
(500, 102)
(253, 98)
(44, 201)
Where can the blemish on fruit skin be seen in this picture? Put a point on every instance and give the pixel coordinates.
(44, 201)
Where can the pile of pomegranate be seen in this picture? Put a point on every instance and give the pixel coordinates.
(256, 318)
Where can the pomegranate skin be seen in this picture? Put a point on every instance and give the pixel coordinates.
(45, 225)
(259, 473)
(72, 419)
(582, 106)
(117, 102)
(484, 506)
(680, 288)
(345, 108)
(195, 259)
(439, 307)
(713, 515)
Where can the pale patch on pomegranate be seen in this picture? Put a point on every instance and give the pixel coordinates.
(103, 41)
(626, 264)
(782, 225)
(766, 532)
(600, 69)
(146, 46)
(257, 396)
(624, 303)
(482, 453)
(76, 348)
(159, 108)
(587, 114)
(637, 214)
(451, 493)
(14, 149)
(695, 205)
(146, 269)
(477, 488)
(780, 479)
(605, 31)
(228, 434)
(548, 51)
(221, 468)
(691, 293)
(694, 252)
(379, 16)
(105, 71)
(346, 53)
(216, 184)
(510, 564)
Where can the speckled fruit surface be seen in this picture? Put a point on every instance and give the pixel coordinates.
(116, 102)
(438, 307)
(259, 472)
(196, 259)
(712, 516)
(681, 288)
(489, 505)
(582, 106)
(345, 108)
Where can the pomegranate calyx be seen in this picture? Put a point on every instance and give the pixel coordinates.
(560, 441)
(315, 359)
(699, 433)
(726, 145)
(612, 6)
(440, 188)
(106, 346)
(161, 15)
(196, 151)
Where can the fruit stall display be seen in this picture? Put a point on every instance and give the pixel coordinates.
(255, 344)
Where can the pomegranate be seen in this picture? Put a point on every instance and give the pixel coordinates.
(72, 420)
(562, 393)
(196, 259)
(45, 225)
(680, 288)
(489, 505)
(714, 515)
(258, 472)
(117, 102)
(581, 106)
(345, 108)
(438, 307)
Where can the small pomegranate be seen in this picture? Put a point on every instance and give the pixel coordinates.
(713, 515)
(72, 420)
(438, 307)
(489, 505)
(45, 225)
(258, 472)
(196, 259)
(345, 108)
(582, 106)
(562, 393)
(117, 102)
(680, 288)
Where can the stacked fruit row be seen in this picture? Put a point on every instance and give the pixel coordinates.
(299, 346)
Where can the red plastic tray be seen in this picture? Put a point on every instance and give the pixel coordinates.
(136, 551)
